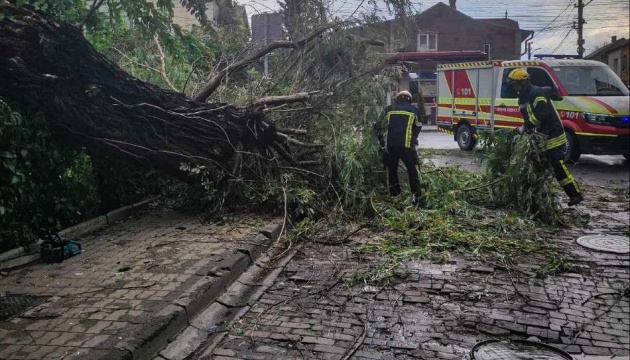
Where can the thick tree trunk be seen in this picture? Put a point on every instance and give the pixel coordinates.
(49, 67)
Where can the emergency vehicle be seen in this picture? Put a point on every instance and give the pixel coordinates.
(594, 111)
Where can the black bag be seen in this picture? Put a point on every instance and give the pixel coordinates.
(54, 248)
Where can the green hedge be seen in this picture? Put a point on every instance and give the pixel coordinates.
(47, 185)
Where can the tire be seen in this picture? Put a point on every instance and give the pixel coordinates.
(465, 138)
(573, 149)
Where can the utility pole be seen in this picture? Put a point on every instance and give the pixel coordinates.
(266, 58)
(528, 49)
(580, 28)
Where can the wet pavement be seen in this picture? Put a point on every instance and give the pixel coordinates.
(440, 311)
(135, 286)
(436, 311)
(600, 170)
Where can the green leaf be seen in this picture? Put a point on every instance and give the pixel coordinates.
(15, 179)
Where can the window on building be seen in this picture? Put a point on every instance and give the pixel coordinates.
(624, 63)
(427, 42)
(616, 65)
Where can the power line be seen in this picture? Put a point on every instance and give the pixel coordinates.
(562, 41)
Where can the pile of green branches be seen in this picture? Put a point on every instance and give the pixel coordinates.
(491, 216)
(520, 175)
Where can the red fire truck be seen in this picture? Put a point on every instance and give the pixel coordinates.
(594, 110)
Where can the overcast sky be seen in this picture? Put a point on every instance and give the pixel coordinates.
(550, 19)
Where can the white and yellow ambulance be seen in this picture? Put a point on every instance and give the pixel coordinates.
(595, 109)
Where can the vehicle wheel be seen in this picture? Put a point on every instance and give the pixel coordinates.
(573, 149)
(465, 138)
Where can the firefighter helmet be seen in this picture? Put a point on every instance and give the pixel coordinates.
(518, 75)
(404, 95)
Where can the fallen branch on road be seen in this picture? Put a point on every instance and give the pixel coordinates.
(357, 344)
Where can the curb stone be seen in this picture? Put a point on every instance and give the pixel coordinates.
(23, 256)
(174, 320)
(210, 325)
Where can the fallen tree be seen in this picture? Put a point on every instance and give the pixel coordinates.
(49, 67)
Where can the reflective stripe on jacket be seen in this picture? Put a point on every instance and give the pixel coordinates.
(403, 125)
(539, 112)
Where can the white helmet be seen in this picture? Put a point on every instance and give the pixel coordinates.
(404, 95)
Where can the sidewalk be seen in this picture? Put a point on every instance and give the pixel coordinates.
(438, 311)
(135, 286)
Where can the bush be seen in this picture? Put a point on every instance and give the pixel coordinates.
(43, 185)
(47, 186)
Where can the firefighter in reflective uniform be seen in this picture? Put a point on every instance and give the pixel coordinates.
(399, 143)
(540, 114)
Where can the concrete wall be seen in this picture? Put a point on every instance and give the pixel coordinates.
(619, 57)
(181, 16)
(186, 20)
(622, 55)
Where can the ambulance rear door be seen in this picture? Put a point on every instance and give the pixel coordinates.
(486, 85)
(473, 88)
(445, 99)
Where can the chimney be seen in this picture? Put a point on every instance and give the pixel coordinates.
(614, 38)
(452, 4)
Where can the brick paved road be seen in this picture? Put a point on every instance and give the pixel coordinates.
(133, 287)
(438, 311)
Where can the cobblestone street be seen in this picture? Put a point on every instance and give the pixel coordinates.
(433, 311)
(136, 285)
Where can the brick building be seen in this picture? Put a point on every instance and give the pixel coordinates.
(617, 56)
(442, 34)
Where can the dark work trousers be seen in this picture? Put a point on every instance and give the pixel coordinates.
(409, 157)
(564, 177)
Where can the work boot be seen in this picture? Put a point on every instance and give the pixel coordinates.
(576, 200)
(419, 201)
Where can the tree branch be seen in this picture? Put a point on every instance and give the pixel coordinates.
(135, 62)
(96, 4)
(162, 64)
(297, 142)
(283, 99)
(293, 131)
(215, 81)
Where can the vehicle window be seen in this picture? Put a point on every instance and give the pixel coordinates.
(506, 91)
(539, 77)
(590, 80)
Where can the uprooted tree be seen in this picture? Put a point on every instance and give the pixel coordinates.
(101, 91)
(48, 66)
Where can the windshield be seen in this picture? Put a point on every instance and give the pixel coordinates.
(590, 80)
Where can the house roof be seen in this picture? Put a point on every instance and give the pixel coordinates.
(623, 42)
(508, 23)
(505, 22)
(500, 22)
(440, 55)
